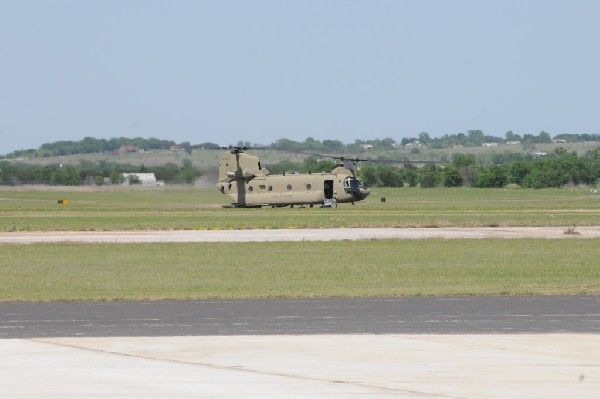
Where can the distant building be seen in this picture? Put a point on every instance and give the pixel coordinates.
(175, 148)
(129, 148)
(415, 143)
(489, 144)
(146, 179)
(367, 146)
(513, 142)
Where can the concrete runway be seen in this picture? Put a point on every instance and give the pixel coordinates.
(313, 366)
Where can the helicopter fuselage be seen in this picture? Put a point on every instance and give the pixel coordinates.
(242, 178)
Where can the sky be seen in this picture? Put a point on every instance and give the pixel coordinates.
(257, 71)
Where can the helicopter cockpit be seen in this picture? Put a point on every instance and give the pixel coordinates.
(356, 187)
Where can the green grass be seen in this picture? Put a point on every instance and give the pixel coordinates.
(57, 272)
(42, 272)
(189, 208)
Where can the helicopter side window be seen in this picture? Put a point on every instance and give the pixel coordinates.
(250, 189)
(270, 188)
(289, 187)
(308, 186)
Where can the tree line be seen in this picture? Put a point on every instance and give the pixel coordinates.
(559, 169)
(90, 173)
(91, 145)
(471, 138)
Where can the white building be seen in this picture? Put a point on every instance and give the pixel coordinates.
(146, 179)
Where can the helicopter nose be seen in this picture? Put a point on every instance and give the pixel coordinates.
(365, 193)
(361, 193)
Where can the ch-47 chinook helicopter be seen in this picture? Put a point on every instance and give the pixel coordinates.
(249, 185)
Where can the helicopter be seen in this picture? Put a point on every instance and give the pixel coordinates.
(249, 185)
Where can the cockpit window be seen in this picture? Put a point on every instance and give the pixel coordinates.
(351, 182)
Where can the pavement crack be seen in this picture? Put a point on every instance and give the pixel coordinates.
(243, 369)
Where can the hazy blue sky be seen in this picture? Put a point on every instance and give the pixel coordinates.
(224, 71)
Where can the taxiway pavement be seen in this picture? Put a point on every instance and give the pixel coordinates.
(309, 366)
(266, 235)
(304, 316)
(453, 347)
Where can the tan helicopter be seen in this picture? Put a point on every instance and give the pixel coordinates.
(242, 177)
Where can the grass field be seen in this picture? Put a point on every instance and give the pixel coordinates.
(190, 208)
(53, 272)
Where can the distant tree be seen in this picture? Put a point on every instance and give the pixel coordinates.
(288, 145)
(410, 175)
(133, 179)
(370, 176)
(424, 138)
(333, 146)
(517, 171)
(510, 136)
(116, 178)
(166, 172)
(451, 177)
(186, 146)
(544, 137)
(187, 174)
(475, 137)
(390, 176)
(67, 175)
(465, 164)
(312, 144)
(387, 176)
(387, 143)
(430, 176)
(491, 176)
(284, 167)
(312, 164)
(593, 154)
